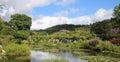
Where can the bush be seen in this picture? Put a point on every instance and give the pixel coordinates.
(90, 44)
(116, 41)
(94, 42)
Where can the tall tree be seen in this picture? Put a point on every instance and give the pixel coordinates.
(20, 22)
(117, 11)
(116, 14)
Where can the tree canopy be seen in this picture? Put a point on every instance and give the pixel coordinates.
(20, 22)
(117, 11)
(110, 28)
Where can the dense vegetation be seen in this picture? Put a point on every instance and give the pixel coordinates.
(12, 35)
(55, 60)
(101, 39)
(110, 28)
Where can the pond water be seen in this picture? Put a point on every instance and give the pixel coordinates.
(37, 56)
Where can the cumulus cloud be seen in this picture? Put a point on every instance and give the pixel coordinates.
(26, 6)
(22, 6)
(102, 14)
(47, 21)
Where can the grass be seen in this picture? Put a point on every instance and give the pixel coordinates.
(55, 60)
(16, 50)
(100, 58)
(17, 59)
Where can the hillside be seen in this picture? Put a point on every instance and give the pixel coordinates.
(57, 28)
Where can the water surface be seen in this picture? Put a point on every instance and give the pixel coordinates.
(38, 56)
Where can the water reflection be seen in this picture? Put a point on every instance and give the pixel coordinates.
(37, 56)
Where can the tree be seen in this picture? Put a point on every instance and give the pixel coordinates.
(20, 22)
(116, 14)
(117, 11)
(102, 29)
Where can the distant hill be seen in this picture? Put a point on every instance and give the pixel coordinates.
(62, 27)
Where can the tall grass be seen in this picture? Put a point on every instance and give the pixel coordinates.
(55, 60)
(16, 50)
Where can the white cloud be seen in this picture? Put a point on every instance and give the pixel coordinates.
(65, 2)
(74, 10)
(102, 14)
(26, 6)
(62, 13)
(47, 21)
(65, 13)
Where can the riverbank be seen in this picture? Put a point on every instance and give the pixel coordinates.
(94, 48)
(15, 53)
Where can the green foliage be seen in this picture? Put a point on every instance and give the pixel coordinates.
(107, 46)
(100, 58)
(20, 22)
(2, 25)
(57, 28)
(17, 59)
(102, 28)
(55, 60)
(16, 50)
(117, 11)
(108, 29)
(21, 34)
(90, 44)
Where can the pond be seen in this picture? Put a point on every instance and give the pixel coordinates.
(38, 56)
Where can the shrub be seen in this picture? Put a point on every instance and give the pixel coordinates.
(90, 44)
(94, 42)
(116, 41)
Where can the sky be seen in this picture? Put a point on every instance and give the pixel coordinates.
(48, 13)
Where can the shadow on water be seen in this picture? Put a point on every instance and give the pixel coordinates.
(38, 56)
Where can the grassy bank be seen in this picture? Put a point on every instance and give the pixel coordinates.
(55, 60)
(15, 53)
(17, 59)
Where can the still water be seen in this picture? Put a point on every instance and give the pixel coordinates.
(38, 56)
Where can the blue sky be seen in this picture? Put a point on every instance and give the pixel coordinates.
(86, 7)
(48, 13)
